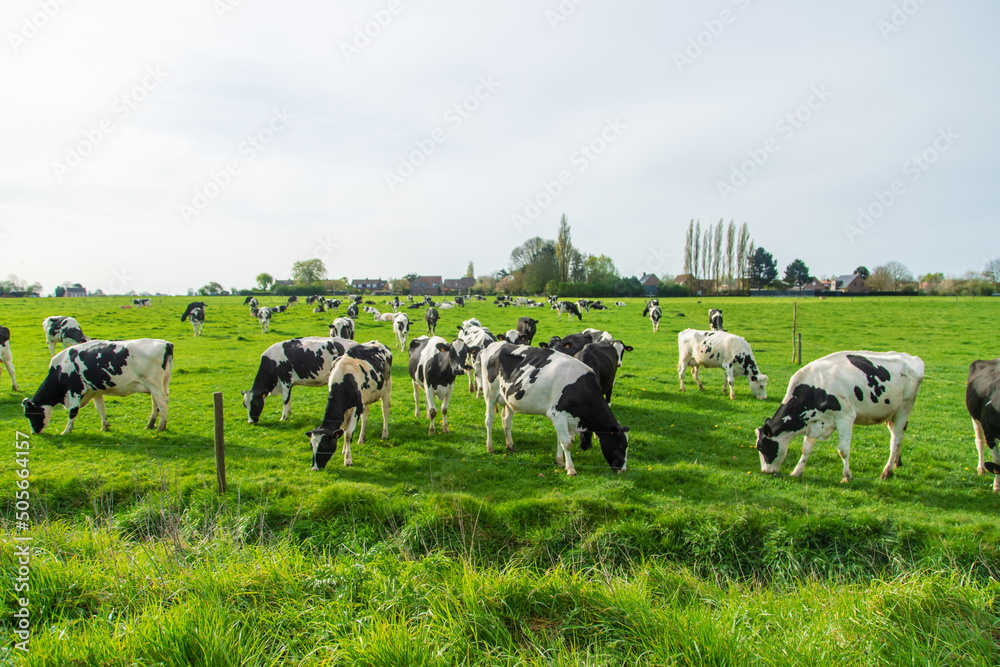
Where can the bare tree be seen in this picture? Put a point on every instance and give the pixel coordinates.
(696, 248)
(741, 254)
(992, 272)
(730, 249)
(564, 249)
(717, 254)
(706, 253)
(689, 248)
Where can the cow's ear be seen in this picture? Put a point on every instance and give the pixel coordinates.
(309, 434)
(629, 348)
(339, 432)
(441, 347)
(765, 430)
(541, 344)
(26, 403)
(624, 429)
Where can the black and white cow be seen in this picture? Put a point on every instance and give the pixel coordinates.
(142, 302)
(342, 327)
(835, 393)
(401, 327)
(715, 319)
(434, 365)
(197, 316)
(278, 309)
(292, 300)
(191, 306)
(568, 308)
(516, 337)
(460, 301)
(251, 301)
(535, 381)
(352, 311)
(604, 358)
(6, 357)
(718, 349)
(476, 338)
(585, 304)
(320, 306)
(94, 369)
(291, 363)
(310, 300)
(654, 313)
(394, 303)
(333, 304)
(598, 306)
(65, 330)
(529, 327)
(573, 343)
(247, 300)
(619, 303)
(362, 376)
(431, 317)
(264, 317)
(982, 398)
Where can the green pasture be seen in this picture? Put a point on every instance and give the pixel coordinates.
(429, 550)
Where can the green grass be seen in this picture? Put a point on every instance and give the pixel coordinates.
(431, 551)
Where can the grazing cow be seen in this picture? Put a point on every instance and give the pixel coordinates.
(401, 327)
(264, 317)
(333, 304)
(574, 343)
(460, 301)
(142, 302)
(516, 337)
(98, 368)
(197, 320)
(291, 300)
(6, 357)
(584, 303)
(476, 338)
(342, 327)
(415, 305)
(65, 330)
(620, 303)
(835, 393)
(542, 382)
(362, 376)
(431, 317)
(718, 349)
(191, 306)
(297, 362)
(654, 316)
(278, 309)
(715, 319)
(434, 365)
(604, 358)
(982, 398)
(569, 308)
(528, 326)
(352, 311)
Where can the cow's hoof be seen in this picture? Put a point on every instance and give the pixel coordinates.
(845, 480)
(886, 474)
(571, 473)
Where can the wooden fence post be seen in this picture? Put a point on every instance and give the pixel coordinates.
(800, 349)
(220, 444)
(795, 311)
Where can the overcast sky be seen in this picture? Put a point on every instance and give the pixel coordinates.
(162, 145)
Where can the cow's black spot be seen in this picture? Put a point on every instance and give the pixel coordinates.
(304, 362)
(877, 375)
(101, 362)
(860, 394)
(4, 335)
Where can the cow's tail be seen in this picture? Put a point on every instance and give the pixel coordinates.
(168, 366)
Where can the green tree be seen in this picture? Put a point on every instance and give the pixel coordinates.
(797, 273)
(308, 271)
(564, 249)
(763, 268)
(600, 268)
(470, 271)
(863, 272)
(211, 289)
(577, 267)
(264, 281)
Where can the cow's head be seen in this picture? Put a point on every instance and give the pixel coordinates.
(324, 445)
(38, 415)
(621, 348)
(254, 403)
(758, 385)
(614, 446)
(456, 355)
(772, 449)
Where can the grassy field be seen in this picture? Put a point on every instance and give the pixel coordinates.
(431, 551)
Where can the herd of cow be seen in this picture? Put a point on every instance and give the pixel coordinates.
(568, 379)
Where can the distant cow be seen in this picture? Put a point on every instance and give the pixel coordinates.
(401, 327)
(718, 349)
(292, 300)
(982, 398)
(460, 301)
(191, 306)
(362, 376)
(6, 357)
(342, 327)
(352, 311)
(264, 317)
(434, 365)
(654, 313)
(65, 330)
(97, 368)
(568, 308)
(251, 301)
(528, 326)
(835, 393)
(715, 319)
(619, 303)
(564, 389)
(142, 302)
(431, 317)
(291, 363)
(197, 320)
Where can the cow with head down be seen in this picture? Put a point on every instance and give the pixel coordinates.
(718, 349)
(65, 330)
(982, 399)
(835, 393)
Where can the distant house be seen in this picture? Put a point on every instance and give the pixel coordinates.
(283, 283)
(459, 284)
(850, 283)
(650, 283)
(815, 286)
(426, 285)
(695, 286)
(369, 284)
(76, 290)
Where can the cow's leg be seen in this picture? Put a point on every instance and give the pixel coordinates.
(508, 422)
(431, 407)
(364, 426)
(74, 410)
(8, 362)
(681, 367)
(52, 347)
(491, 405)
(416, 399)
(99, 406)
(980, 445)
(563, 441)
(386, 401)
(286, 401)
(444, 408)
(844, 431)
(807, 447)
(349, 435)
(730, 381)
(159, 405)
(694, 374)
(896, 427)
